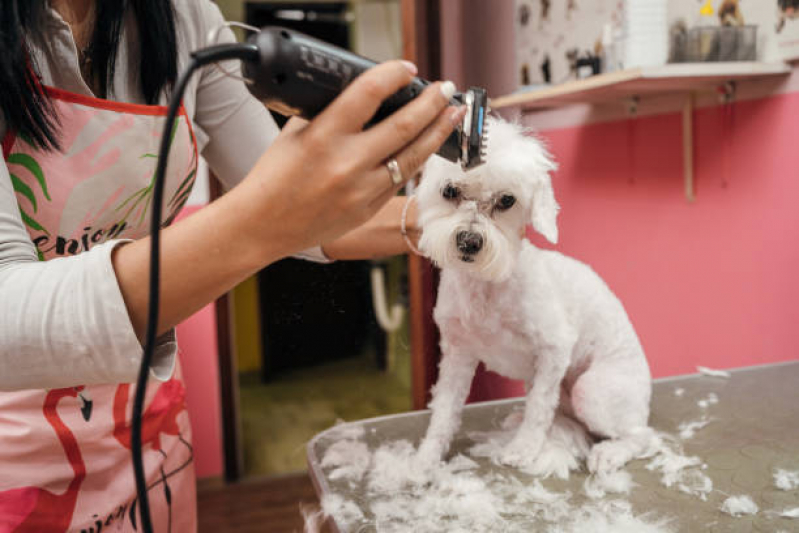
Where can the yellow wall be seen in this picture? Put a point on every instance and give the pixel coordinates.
(246, 326)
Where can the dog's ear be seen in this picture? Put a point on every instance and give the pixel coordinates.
(544, 210)
(543, 207)
(516, 151)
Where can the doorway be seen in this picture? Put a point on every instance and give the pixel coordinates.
(308, 347)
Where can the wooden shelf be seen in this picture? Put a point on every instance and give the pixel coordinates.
(684, 78)
(675, 77)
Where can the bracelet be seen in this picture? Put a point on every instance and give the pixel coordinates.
(403, 228)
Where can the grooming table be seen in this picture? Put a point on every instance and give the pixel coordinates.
(754, 429)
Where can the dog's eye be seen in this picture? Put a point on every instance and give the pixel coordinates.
(506, 202)
(451, 192)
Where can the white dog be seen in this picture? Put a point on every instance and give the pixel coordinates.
(527, 314)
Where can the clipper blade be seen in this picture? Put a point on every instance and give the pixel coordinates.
(474, 142)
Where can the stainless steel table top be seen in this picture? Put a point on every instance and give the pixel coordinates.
(754, 429)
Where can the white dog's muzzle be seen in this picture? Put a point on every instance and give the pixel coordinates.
(469, 244)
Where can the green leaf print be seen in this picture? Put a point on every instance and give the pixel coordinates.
(30, 222)
(144, 194)
(146, 207)
(179, 201)
(183, 185)
(132, 197)
(33, 167)
(22, 188)
(174, 130)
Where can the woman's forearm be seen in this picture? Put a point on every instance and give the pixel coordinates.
(202, 257)
(381, 236)
(200, 261)
(317, 181)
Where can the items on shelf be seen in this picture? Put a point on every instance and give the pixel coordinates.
(558, 42)
(732, 40)
(711, 43)
(645, 33)
(583, 65)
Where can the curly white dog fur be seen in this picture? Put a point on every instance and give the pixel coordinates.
(527, 314)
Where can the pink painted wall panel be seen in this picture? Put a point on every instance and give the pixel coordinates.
(711, 283)
(199, 358)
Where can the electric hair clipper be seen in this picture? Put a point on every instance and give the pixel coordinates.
(295, 74)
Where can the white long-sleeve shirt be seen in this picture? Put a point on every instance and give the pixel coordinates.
(63, 322)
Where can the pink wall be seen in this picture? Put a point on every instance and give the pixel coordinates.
(711, 283)
(199, 359)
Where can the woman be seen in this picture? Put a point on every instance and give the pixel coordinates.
(82, 85)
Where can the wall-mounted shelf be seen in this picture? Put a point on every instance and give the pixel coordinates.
(675, 77)
(686, 78)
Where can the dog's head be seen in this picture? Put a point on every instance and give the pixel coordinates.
(475, 220)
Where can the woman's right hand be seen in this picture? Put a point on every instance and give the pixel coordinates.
(321, 179)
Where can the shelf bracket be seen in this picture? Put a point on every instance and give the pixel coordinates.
(688, 146)
(632, 105)
(727, 92)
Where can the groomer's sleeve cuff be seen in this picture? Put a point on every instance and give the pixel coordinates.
(315, 254)
(166, 352)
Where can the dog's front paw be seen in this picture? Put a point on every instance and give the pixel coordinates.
(521, 450)
(428, 456)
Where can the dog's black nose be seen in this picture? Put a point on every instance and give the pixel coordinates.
(469, 242)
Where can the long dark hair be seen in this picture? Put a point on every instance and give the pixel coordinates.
(27, 109)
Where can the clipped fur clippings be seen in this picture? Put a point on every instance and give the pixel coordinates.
(739, 506)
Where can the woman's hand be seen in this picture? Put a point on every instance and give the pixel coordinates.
(316, 182)
(323, 178)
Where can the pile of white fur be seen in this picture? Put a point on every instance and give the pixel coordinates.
(458, 497)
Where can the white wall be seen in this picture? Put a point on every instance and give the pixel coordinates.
(377, 29)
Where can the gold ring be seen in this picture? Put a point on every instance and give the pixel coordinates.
(394, 171)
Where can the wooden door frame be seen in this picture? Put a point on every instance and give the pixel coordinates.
(421, 44)
(228, 375)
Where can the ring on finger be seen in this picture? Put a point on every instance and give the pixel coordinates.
(394, 171)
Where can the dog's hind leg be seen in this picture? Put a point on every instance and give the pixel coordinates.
(614, 405)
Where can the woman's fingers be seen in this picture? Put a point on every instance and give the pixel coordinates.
(405, 125)
(361, 99)
(412, 157)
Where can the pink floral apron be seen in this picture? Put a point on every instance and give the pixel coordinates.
(65, 454)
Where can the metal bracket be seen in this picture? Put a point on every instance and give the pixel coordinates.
(688, 146)
(632, 105)
(727, 92)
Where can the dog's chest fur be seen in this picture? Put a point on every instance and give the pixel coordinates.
(494, 322)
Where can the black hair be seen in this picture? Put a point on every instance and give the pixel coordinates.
(23, 103)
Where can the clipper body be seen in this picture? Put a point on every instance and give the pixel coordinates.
(298, 75)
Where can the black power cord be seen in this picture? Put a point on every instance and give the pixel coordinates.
(198, 59)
